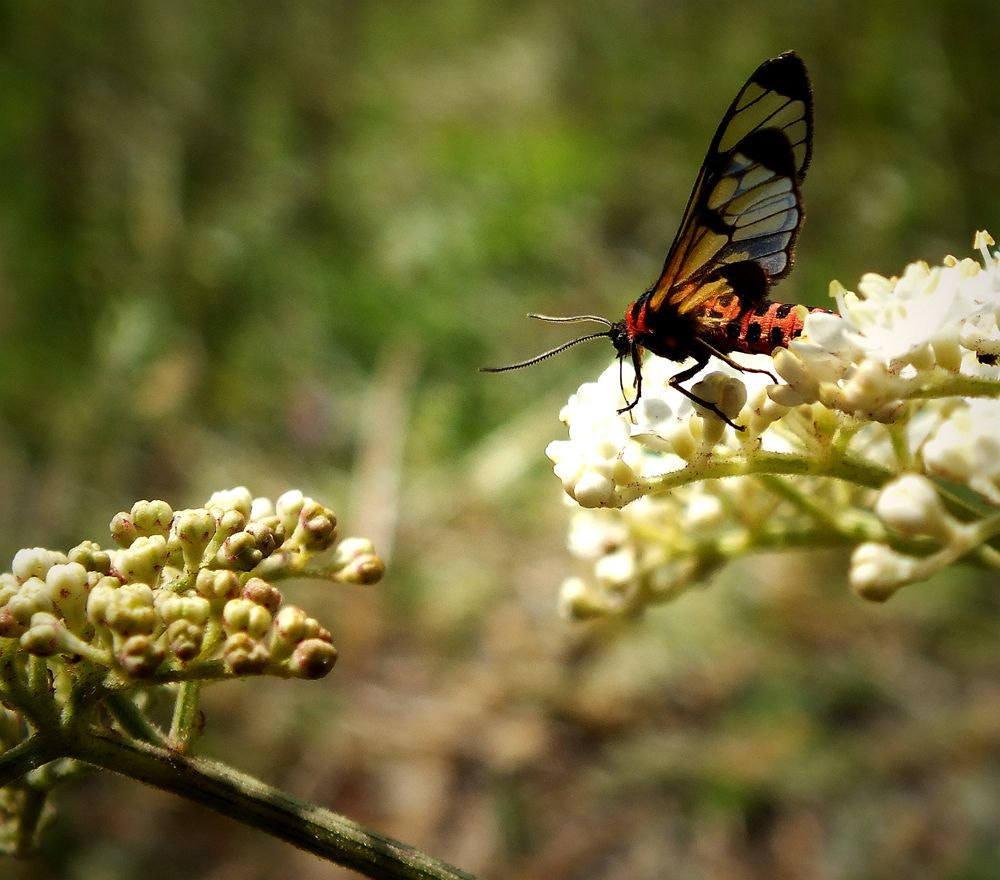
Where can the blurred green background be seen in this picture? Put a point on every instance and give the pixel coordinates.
(268, 243)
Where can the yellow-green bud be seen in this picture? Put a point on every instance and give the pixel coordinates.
(90, 555)
(130, 610)
(262, 509)
(184, 639)
(287, 509)
(140, 656)
(260, 592)
(9, 585)
(194, 609)
(34, 562)
(9, 627)
(143, 560)
(357, 563)
(102, 594)
(245, 656)
(240, 615)
(68, 588)
(123, 530)
(264, 537)
(291, 626)
(152, 517)
(217, 586)
(239, 552)
(31, 598)
(312, 659)
(229, 522)
(316, 528)
(47, 636)
(42, 637)
(194, 529)
(238, 499)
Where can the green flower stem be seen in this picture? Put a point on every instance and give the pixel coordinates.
(900, 446)
(842, 437)
(204, 671)
(967, 543)
(184, 724)
(759, 463)
(847, 527)
(38, 677)
(284, 566)
(29, 816)
(744, 542)
(37, 710)
(132, 719)
(853, 525)
(986, 528)
(976, 536)
(85, 693)
(853, 470)
(30, 754)
(954, 385)
(989, 556)
(311, 828)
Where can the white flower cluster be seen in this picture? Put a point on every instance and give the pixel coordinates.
(878, 404)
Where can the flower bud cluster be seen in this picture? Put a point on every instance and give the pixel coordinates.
(899, 390)
(185, 591)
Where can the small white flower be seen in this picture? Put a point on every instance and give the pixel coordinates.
(872, 392)
(966, 448)
(592, 533)
(877, 572)
(911, 507)
(923, 313)
(617, 571)
(898, 321)
(578, 601)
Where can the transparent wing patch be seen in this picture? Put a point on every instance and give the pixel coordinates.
(745, 207)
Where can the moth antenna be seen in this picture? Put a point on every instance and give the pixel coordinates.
(571, 319)
(550, 352)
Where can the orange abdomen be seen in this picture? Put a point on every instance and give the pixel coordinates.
(758, 328)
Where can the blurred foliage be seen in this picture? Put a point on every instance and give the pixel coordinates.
(269, 243)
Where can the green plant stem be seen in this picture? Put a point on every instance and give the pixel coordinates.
(311, 828)
(184, 724)
(31, 814)
(853, 525)
(854, 470)
(131, 717)
(30, 754)
(848, 468)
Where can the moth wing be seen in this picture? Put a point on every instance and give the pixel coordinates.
(741, 222)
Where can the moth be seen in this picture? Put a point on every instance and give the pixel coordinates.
(736, 239)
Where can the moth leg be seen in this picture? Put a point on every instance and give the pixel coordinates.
(684, 375)
(636, 382)
(725, 358)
